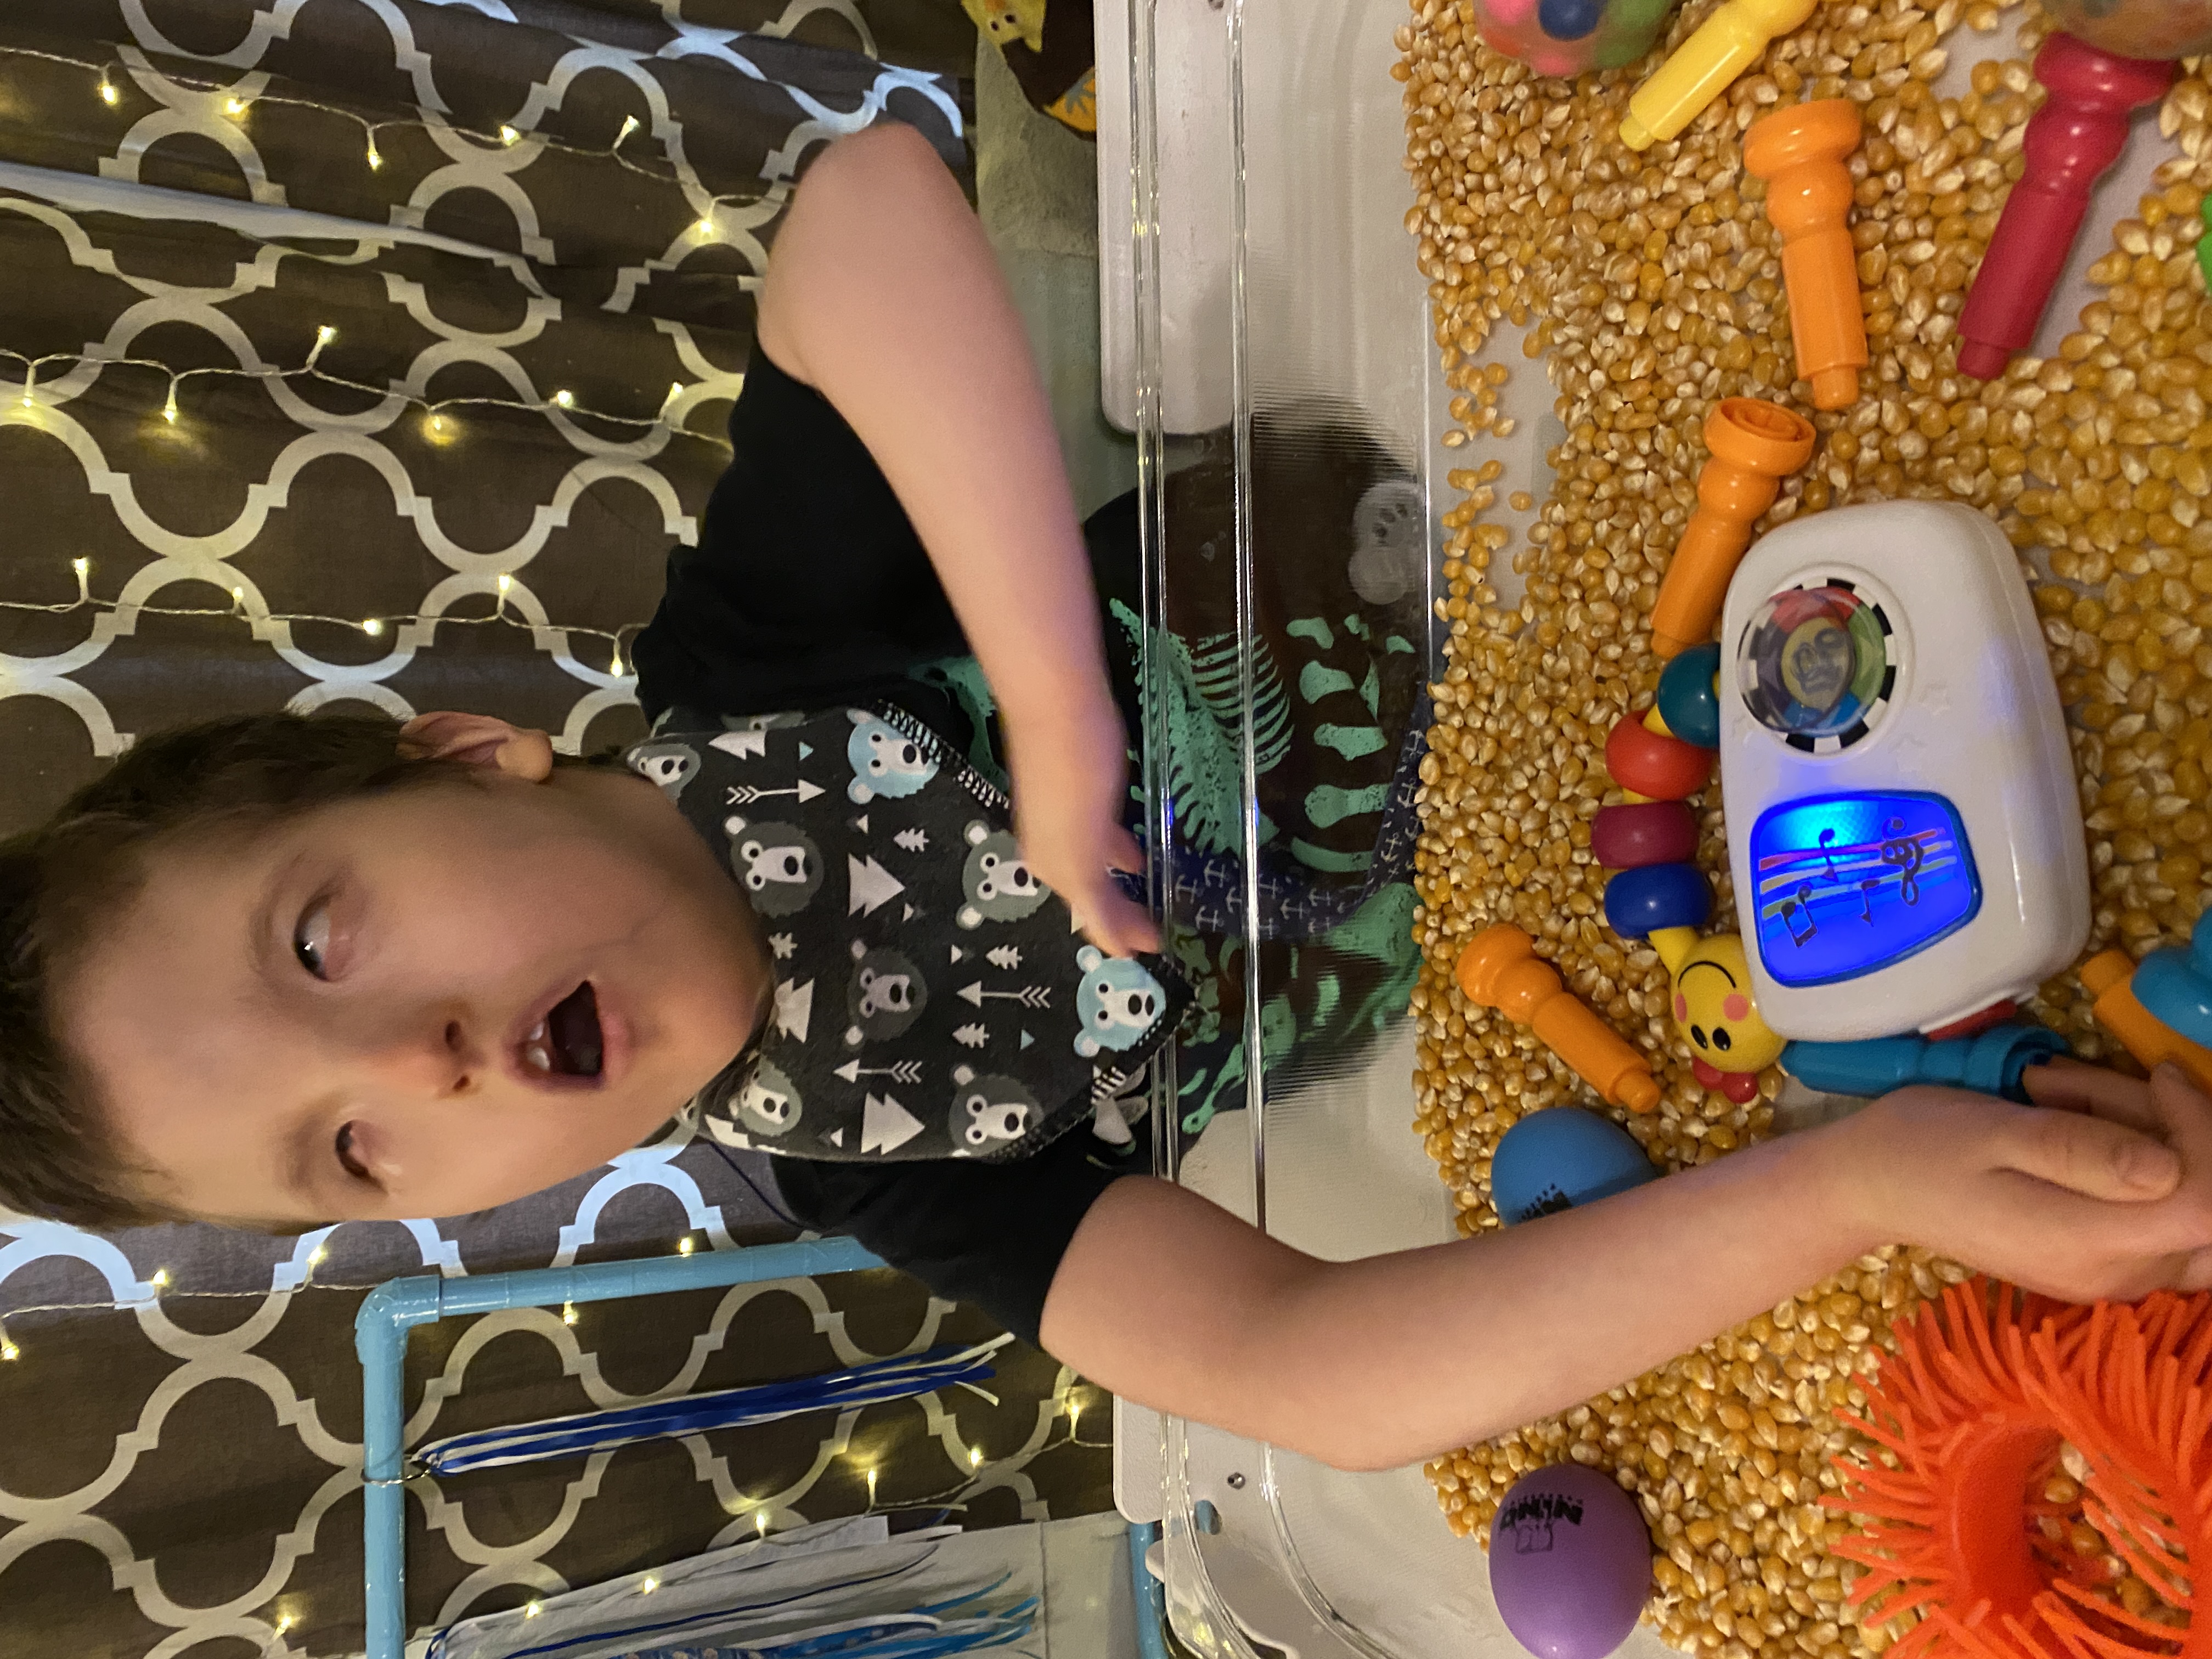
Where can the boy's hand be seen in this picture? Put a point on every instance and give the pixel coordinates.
(1069, 785)
(2103, 1189)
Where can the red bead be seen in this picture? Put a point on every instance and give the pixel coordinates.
(1665, 768)
(1654, 832)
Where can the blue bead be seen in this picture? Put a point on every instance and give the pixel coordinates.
(1658, 896)
(1569, 20)
(1563, 1155)
(1687, 701)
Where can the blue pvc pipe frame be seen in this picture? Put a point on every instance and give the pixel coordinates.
(393, 1309)
(1152, 1597)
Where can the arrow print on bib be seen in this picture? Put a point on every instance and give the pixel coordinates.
(744, 794)
(907, 1071)
(1029, 996)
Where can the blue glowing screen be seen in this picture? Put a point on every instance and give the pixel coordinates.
(1850, 883)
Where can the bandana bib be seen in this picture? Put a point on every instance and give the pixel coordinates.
(932, 998)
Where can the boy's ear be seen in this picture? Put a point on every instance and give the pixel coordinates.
(480, 741)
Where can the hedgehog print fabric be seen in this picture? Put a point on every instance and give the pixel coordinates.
(932, 998)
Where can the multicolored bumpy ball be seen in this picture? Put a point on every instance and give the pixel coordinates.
(1567, 37)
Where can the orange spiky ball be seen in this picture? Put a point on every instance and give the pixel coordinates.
(1975, 1408)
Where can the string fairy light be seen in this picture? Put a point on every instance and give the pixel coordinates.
(650, 1585)
(533, 1610)
(434, 411)
(567, 1313)
(236, 106)
(759, 1518)
(372, 626)
(683, 1245)
(8, 1348)
(872, 1485)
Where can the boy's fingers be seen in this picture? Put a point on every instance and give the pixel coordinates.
(2091, 1156)
(1124, 852)
(1116, 924)
(2067, 1085)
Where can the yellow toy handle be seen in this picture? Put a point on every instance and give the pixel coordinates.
(1701, 69)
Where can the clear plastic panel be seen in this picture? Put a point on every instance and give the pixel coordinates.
(1285, 373)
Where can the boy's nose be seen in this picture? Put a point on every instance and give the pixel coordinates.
(436, 1058)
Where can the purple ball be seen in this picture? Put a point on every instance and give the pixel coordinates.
(1570, 1562)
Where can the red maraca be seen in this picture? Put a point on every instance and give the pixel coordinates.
(2070, 143)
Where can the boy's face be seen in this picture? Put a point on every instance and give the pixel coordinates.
(417, 1005)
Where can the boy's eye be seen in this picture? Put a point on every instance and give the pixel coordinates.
(344, 1144)
(311, 938)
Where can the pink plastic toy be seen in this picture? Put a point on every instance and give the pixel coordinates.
(2070, 141)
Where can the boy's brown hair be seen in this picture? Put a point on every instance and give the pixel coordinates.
(60, 883)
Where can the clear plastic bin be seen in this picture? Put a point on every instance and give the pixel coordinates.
(1259, 296)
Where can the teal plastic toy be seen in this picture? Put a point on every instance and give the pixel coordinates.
(1990, 1062)
(2176, 986)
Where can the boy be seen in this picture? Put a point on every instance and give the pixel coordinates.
(279, 972)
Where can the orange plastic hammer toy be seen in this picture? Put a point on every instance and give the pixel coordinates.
(1800, 153)
(1500, 969)
(1756, 446)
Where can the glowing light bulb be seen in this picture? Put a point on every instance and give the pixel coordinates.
(1074, 1418)
(760, 1516)
(375, 157)
(872, 1488)
(8, 1349)
(533, 1610)
(235, 107)
(238, 596)
(567, 1313)
(505, 584)
(285, 1623)
(161, 1279)
(628, 126)
(615, 667)
(705, 227)
(650, 1585)
(509, 136)
(565, 400)
(169, 409)
(974, 1457)
(108, 94)
(83, 567)
(372, 626)
(683, 1246)
(325, 334)
(315, 1257)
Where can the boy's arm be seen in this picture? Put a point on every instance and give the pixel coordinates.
(884, 296)
(1176, 1303)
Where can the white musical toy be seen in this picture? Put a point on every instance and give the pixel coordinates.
(1903, 827)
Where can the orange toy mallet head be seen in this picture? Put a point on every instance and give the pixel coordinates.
(1499, 969)
(1975, 1406)
(1755, 445)
(1800, 153)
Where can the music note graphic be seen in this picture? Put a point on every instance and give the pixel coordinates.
(1904, 855)
(1866, 898)
(1827, 837)
(1790, 908)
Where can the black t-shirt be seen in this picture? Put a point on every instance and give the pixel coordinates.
(808, 588)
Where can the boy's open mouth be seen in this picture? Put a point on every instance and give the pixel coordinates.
(566, 1042)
